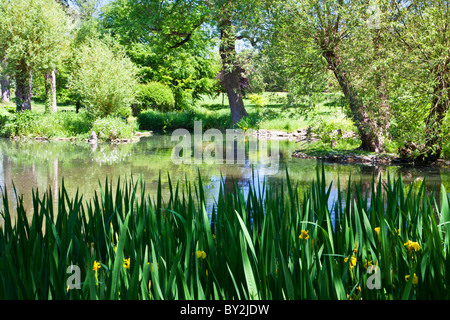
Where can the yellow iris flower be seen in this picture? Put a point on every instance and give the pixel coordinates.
(96, 266)
(412, 246)
(201, 254)
(415, 279)
(352, 261)
(304, 235)
(126, 263)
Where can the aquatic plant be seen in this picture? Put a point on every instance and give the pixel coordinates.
(272, 243)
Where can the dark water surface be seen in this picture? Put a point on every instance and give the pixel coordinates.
(32, 164)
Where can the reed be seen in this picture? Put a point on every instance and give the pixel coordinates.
(274, 243)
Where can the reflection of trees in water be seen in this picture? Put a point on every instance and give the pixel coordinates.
(42, 164)
(431, 175)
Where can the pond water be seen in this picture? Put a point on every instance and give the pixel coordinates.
(42, 164)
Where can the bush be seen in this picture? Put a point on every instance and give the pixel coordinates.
(257, 100)
(125, 112)
(31, 124)
(156, 120)
(104, 78)
(155, 95)
(110, 128)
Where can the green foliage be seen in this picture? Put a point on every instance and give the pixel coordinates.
(258, 100)
(289, 244)
(33, 124)
(168, 121)
(29, 124)
(125, 112)
(331, 129)
(155, 120)
(155, 95)
(104, 78)
(32, 36)
(252, 121)
(190, 68)
(111, 128)
(446, 137)
(187, 74)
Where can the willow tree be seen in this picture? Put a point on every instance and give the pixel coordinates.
(103, 77)
(32, 34)
(4, 83)
(178, 25)
(235, 20)
(421, 31)
(316, 38)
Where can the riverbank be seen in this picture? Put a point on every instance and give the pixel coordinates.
(331, 152)
(351, 157)
(91, 140)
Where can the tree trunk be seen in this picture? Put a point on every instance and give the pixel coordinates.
(440, 106)
(383, 110)
(371, 139)
(4, 82)
(50, 91)
(24, 85)
(231, 72)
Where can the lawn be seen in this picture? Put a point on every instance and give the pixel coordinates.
(278, 115)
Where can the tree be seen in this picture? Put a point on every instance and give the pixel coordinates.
(104, 77)
(4, 82)
(32, 34)
(312, 38)
(235, 20)
(168, 45)
(178, 25)
(421, 33)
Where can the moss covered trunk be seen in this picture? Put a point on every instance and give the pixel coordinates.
(231, 71)
(23, 90)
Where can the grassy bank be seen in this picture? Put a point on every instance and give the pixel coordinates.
(273, 243)
(65, 123)
(274, 114)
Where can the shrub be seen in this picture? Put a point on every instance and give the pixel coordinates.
(162, 121)
(110, 128)
(257, 100)
(166, 121)
(155, 95)
(105, 79)
(125, 112)
(252, 121)
(31, 124)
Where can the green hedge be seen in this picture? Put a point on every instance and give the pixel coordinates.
(156, 120)
(155, 95)
(33, 124)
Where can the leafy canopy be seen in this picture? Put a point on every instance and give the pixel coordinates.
(33, 34)
(105, 79)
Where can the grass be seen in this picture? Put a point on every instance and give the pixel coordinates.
(214, 113)
(276, 115)
(63, 124)
(273, 243)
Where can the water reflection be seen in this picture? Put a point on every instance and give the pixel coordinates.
(33, 164)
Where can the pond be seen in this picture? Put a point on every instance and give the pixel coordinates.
(42, 164)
